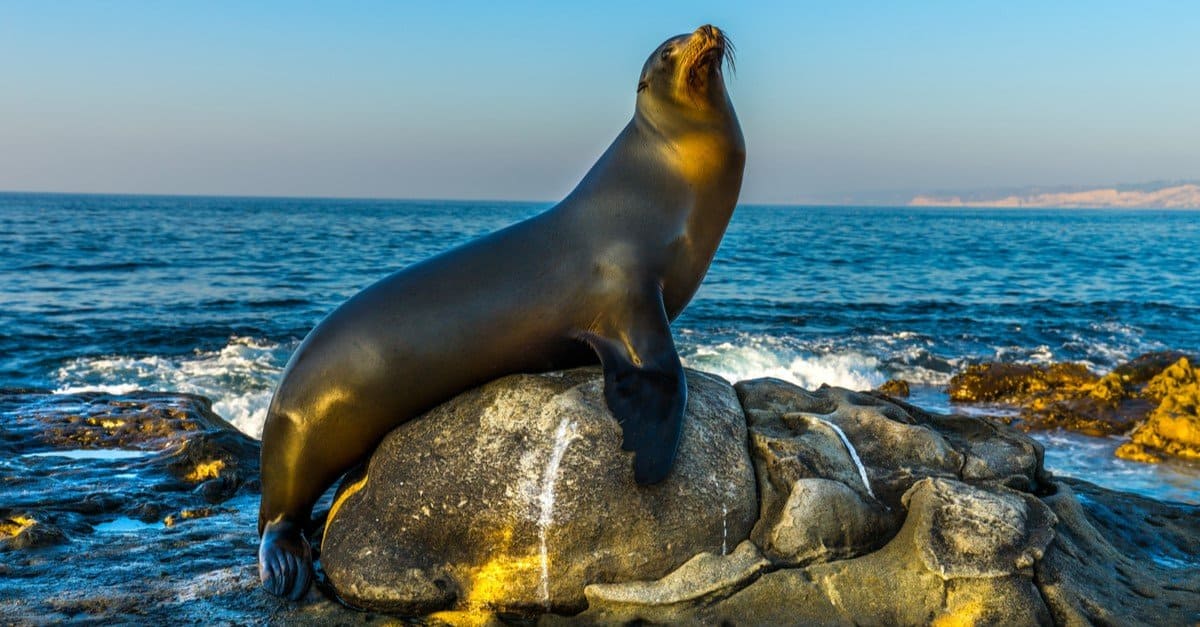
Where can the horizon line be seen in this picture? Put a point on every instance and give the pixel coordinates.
(869, 205)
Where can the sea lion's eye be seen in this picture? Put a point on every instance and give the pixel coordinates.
(666, 54)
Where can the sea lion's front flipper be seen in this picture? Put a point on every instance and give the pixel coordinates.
(643, 382)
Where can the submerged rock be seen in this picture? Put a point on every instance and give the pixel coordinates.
(516, 495)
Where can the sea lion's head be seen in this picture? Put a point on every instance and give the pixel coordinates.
(683, 78)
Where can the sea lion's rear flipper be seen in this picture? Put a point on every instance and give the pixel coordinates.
(285, 560)
(643, 383)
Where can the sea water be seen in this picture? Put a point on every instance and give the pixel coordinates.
(211, 295)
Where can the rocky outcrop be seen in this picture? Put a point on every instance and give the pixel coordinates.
(1154, 399)
(1173, 428)
(517, 495)
(1057, 396)
(898, 388)
(850, 508)
(869, 510)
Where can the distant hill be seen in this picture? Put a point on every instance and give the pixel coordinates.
(1172, 196)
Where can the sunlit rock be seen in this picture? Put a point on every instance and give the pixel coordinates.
(1173, 428)
(515, 496)
(1154, 398)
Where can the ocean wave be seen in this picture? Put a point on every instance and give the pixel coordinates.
(738, 362)
(238, 378)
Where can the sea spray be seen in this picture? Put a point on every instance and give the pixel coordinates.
(238, 378)
(752, 358)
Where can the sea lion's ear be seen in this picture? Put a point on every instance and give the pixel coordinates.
(644, 384)
(642, 85)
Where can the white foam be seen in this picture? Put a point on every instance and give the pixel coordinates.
(739, 362)
(238, 378)
(115, 388)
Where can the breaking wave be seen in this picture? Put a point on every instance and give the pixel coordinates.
(238, 378)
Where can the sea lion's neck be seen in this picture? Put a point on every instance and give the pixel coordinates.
(678, 184)
(708, 159)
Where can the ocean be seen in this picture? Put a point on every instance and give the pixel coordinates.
(211, 294)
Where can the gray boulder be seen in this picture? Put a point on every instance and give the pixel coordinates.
(516, 495)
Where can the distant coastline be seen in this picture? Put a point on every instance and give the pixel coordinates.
(1185, 196)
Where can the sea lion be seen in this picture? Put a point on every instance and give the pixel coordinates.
(600, 274)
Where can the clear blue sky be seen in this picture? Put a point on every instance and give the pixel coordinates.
(517, 99)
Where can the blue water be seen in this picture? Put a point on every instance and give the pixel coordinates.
(210, 295)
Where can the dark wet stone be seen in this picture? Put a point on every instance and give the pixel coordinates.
(1121, 559)
(28, 530)
(70, 565)
(137, 420)
(1086, 414)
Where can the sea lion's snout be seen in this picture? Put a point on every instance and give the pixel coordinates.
(705, 50)
(708, 39)
(712, 34)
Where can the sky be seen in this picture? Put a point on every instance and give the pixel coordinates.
(839, 101)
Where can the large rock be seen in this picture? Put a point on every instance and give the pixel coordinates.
(963, 553)
(871, 511)
(516, 495)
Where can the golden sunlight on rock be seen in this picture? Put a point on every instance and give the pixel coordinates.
(1174, 426)
(13, 526)
(206, 470)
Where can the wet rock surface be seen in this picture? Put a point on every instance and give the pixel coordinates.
(132, 508)
(1154, 399)
(852, 508)
(1120, 559)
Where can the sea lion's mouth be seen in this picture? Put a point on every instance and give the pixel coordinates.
(705, 52)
